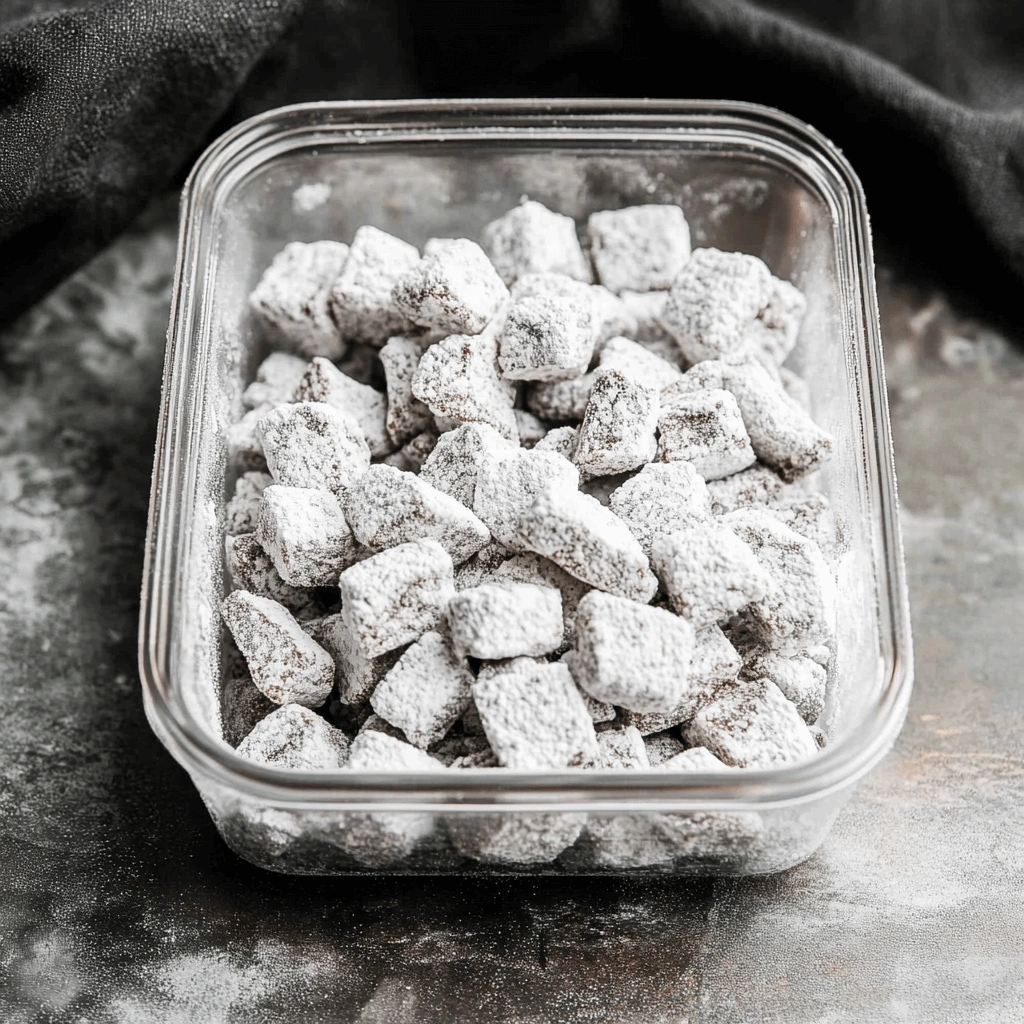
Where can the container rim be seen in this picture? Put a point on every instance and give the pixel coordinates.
(834, 770)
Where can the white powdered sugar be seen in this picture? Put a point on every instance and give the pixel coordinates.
(283, 661)
(389, 506)
(506, 620)
(631, 655)
(311, 444)
(534, 716)
(531, 239)
(426, 691)
(293, 294)
(324, 382)
(459, 379)
(641, 248)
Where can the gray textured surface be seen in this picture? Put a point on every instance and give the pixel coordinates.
(119, 903)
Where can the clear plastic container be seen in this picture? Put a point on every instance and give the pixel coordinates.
(750, 179)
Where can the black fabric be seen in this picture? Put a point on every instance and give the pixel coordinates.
(104, 105)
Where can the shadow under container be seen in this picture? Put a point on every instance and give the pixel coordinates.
(750, 179)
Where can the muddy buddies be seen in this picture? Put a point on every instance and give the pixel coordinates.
(544, 500)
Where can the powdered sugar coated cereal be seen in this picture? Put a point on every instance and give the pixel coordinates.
(361, 302)
(284, 662)
(532, 239)
(387, 507)
(641, 248)
(292, 298)
(311, 444)
(453, 289)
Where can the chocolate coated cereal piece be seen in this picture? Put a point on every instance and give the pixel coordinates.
(531, 428)
(561, 440)
(708, 572)
(800, 678)
(478, 759)
(646, 308)
(377, 723)
(507, 484)
(462, 746)
(696, 759)
(634, 361)
(631, 655)
(713, 299)
(459, 379)
(781, 432)
(245, 450)
(490, 669)
(305, 533)
(717, 837)
(661, 746)
(752, 725)
(758, 485)
(284, 662)
(706, 429)
(588, 541)
(242, 703)
(387, 507)
(600, 711)
(560, 401)
(453, 289)
(532, 568)
(454, 463)
(396, 596)
(411, 456)
(324, 382)
(642, 248)
(811, 517)
(514, 838)
(293, 737)
(715, 663)
(407, 416)
(545, 338)
(361, 302)
(773, 332)
(704, 376)
(506, 620)
(356, 675)
(798, 606)
(292, 297)
(661, 498)
(531, 239)
(608, 313)
(383, 838)
(312, 444)
(426, 692)
(534, 716)
(252, 569)
(480, 568)
(622, 747)
(618, 428)
(624, 841)
(240, 513)
(374, 751)
(277, 377)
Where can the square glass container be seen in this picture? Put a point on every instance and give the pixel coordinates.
(750, 179)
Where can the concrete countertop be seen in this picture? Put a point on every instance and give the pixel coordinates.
(119, 903)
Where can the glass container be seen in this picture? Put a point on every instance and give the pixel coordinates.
(750, 179)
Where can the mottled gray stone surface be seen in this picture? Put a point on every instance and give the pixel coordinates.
(118, 902)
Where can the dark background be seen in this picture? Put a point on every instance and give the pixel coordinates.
(104, 105)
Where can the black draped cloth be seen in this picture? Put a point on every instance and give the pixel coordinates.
(104, 105)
